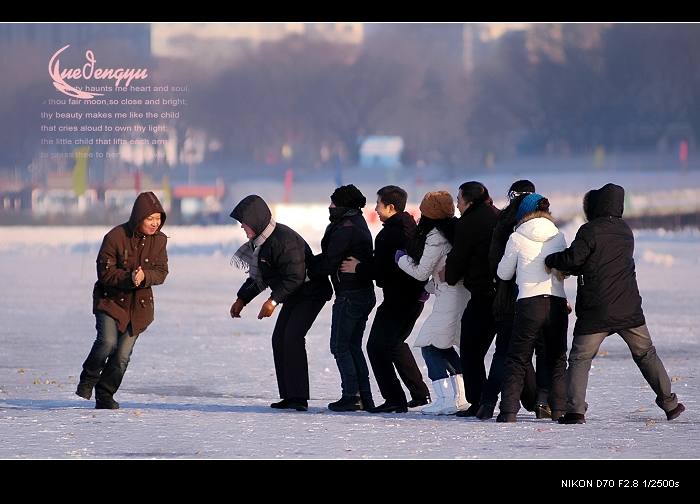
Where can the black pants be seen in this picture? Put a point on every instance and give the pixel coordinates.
(477, 333)
(535, 382)
(549, 316)
(387, 349)
(289, 346)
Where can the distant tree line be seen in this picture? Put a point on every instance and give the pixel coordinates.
(561, 89)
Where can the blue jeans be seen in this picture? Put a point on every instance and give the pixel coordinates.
(585, 347)
(106, 364)
(351, 310)
(441, 362)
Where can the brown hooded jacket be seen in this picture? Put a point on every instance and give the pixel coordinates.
(123, 250)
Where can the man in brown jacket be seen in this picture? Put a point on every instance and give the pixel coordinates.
(132, 258)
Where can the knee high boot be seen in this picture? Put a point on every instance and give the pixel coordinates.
(444, 403)
(460, 400)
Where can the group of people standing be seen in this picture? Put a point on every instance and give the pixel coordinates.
(494, 274)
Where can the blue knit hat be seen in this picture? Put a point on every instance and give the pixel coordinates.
(529, 204)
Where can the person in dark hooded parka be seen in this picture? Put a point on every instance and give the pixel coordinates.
(131, 260)
(607, 301)
(277, 257)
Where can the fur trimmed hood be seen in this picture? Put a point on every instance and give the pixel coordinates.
(534, 228)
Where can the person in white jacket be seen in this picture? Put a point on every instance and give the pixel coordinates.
(541, 306)
(439, 335)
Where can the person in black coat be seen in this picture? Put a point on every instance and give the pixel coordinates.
(348, 235)
(276, 256)
(468, 260)
(401, 307)
(607, 301)
(534, 397)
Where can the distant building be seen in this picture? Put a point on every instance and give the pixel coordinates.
(381, 152)
(58, 196)
(14, 196)
(135, 36)
(207, 42)
(198, 203)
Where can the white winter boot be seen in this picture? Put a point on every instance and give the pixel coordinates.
(444, 402)
(458, 385)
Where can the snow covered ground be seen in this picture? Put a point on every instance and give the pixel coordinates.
(199, 384)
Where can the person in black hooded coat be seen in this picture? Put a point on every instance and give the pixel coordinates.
(607, 301)
(276, 256)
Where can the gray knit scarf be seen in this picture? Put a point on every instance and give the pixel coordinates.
(246, 257)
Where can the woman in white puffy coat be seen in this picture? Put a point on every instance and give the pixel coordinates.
(440, 333)
(541, 307)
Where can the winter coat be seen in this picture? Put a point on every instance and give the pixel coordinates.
(442, 327)
(468, 259)
(398, 287)
(283, 259)
(123, 250)
(601, 256)
(347, 235)
(506, 290)
(534, 238)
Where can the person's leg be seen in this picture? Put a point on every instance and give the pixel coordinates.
(351, 310)
(583, 349)
(649, 363)
(554, 334)
(102, 348)
(117, 362)
(477, 332)
(382, 339)
(403, 359)
(296, 367)
(278, 349)
(435, 362)
(451, 359)
(437, 372)
(492, 387)
(540, 374)
(528, 321)
(342, 326)
(366, 301)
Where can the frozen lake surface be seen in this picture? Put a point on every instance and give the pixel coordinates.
(199, 384)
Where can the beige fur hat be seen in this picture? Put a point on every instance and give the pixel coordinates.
(437, 205)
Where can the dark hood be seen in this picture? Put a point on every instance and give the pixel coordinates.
(146, 204)
(608, 201)
(254, 212)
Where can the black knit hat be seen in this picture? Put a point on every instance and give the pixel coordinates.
(348, 196)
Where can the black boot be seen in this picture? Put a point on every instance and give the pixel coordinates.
(298, 403)
(389, 408)
(485, 412)
(422, 401)
(675, 412)
(366, 403)
(346, 404)
(572, 418)
(106, 402)
(283, 404)
(469, 412)
(84, 390)
(504, 417)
